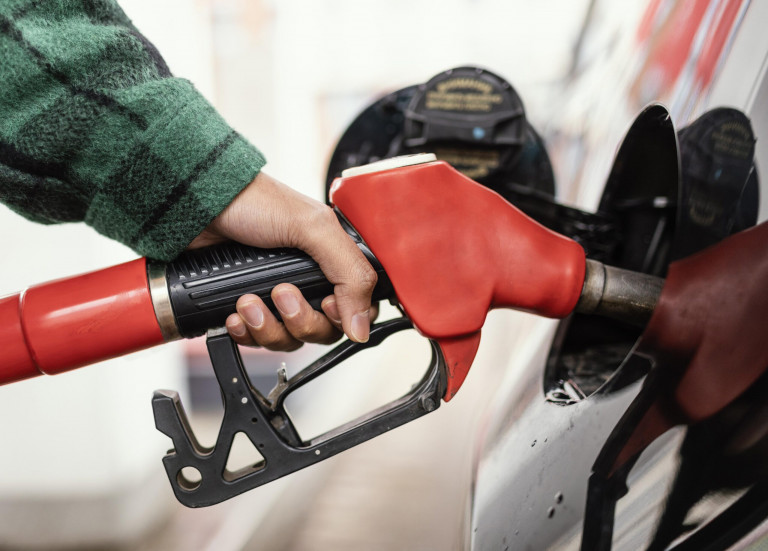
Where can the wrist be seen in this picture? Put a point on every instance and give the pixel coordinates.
(216, 231)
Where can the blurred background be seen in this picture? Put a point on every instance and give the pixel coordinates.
(81, 463)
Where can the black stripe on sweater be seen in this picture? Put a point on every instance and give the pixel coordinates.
(154, 54)
(7, 27)
(38, 174)
(11, 156)
(182, 188)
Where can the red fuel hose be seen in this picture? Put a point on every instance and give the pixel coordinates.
(72, 322)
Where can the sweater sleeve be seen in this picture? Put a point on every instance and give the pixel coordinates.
(94, 128)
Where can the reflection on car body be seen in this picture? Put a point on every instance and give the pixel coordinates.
(558, 465)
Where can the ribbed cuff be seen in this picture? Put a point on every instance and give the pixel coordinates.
(176, 178)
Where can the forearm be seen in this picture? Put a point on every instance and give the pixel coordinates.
(93, 127)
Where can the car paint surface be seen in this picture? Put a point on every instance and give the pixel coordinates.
(534, 456)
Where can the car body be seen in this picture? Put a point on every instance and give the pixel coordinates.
(564, 403)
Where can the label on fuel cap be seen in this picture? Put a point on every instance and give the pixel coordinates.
(389, 164)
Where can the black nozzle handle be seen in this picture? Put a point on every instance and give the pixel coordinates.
(204, 284)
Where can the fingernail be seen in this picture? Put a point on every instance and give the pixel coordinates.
(331, 310)
(252, 314)
(360, 327)
(236, 327)
(287, 304)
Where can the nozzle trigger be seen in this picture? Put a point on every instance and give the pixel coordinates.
(268, 426)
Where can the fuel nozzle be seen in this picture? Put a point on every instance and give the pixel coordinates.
(445, 248)
(619, 294)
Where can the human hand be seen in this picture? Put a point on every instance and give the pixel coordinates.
(269, 214)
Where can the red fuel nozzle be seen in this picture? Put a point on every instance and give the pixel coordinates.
(454, 249)
(451, 248)
(447, 248)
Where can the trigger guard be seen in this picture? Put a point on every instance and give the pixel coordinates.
(268, 426)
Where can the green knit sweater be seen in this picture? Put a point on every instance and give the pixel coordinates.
(94, 128)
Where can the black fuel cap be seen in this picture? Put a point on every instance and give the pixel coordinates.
(468, 117)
